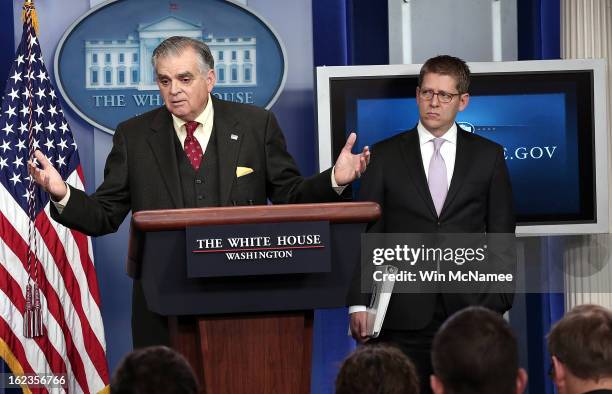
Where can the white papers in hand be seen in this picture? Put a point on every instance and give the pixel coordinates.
(381, 294)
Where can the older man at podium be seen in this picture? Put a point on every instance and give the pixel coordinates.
(196, 151)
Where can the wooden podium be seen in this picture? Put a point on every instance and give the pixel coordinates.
(244, 334)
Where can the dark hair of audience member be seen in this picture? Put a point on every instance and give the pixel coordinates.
(377, 369)
(156, 369)
(475, 351)
(582, 341)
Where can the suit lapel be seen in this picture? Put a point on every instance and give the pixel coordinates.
(229, 139)
(162, 145)
(411, 152)
(462, 163)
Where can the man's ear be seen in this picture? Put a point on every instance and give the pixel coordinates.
(436, 385)
(559, 372)
(211, 79)
(464, 100)
(521, 381)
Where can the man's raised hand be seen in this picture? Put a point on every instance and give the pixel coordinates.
(349, 166)
(47, 177)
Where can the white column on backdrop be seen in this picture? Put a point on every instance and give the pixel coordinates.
(400, 32)
(586, 32)
(496, 21)
(100, 137)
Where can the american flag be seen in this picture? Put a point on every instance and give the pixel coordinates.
(36, 250)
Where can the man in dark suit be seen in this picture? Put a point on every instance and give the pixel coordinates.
(580, 345)
(194, 152)
(435, 178)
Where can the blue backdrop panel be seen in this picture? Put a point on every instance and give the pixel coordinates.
(7, 41)
(345, 32)
(539, 29)
(539, 38)
(368, 32)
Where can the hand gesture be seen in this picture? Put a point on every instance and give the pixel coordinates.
(349, 166)
(47, 177)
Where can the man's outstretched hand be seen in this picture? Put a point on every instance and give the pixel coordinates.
(349, 166)
(47, 177)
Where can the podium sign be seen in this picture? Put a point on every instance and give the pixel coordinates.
(246, 324)
(258, 249)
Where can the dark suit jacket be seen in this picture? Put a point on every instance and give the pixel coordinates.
(141, 171)
(479, 200)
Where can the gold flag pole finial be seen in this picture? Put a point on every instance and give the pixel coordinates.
(28, 6)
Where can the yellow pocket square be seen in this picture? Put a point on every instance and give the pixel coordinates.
(242, 171)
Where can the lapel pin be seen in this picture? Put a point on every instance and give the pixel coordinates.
(234, 137)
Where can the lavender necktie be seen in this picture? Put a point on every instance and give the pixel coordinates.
(437, 179)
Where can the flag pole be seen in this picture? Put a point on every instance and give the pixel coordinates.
(28, 6)
(32, 319)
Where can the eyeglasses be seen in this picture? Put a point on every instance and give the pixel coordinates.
(444, 97)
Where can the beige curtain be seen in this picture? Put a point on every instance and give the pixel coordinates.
(586, 33)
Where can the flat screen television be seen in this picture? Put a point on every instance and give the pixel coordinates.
(550, 116)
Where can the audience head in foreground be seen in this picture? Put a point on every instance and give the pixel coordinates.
(377, 369)
(155, 369)
(581, 348)
(476, 352)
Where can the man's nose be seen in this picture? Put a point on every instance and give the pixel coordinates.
(435, 102)
(175, 87)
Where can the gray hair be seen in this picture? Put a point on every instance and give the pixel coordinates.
(176, 45)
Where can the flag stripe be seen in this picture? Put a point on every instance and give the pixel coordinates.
(11, 339)
(55, 335)
(54, 305)
(91, 342)
(16, 347)
(11, 360)
(88, 307)
(94, 375)
(83, 244)
(19, 218)
(75, 317)
(88, 304)
(53, 361)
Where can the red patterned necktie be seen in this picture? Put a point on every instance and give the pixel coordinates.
(192, 146)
